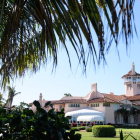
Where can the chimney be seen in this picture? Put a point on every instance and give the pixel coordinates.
(94, 87)
(40, 99)
(111, 93)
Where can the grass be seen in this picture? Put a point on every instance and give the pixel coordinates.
(89, 135)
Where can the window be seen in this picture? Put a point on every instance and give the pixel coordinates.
(60, 107)
(74, 105)
(106, 104)
(95, 105)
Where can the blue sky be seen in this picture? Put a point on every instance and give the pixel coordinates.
(66, 80)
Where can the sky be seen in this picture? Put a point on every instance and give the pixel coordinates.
(64, 79)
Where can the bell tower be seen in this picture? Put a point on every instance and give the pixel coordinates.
(132, 82)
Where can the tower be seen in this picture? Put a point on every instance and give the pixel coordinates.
(132, 82)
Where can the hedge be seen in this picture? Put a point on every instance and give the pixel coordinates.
(89, 129)
(75, 129)
(78, 128)
(82, 128)
(103, 131)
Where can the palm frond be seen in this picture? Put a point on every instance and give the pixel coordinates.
(30, 29)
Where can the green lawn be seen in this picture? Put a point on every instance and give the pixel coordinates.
(89, 135)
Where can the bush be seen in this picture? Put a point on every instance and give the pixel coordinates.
(21, 123)
(74, 128)
(89, 129)
(104, 131)
(82, 128)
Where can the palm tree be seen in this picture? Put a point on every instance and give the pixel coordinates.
(30, 31)
(67, 94)
(2, 100)
(11, 94)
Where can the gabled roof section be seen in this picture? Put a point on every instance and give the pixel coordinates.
(130, 74)
(100, 100)
(82, 101)
(113, 98)
(134, 98)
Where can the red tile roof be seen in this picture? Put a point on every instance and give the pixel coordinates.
(113, 98)
(134, 98)
(99, 100)
(82, 101)
(130, 74)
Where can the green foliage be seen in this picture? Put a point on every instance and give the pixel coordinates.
(21, 123)
(28, 39)
(103, 131)
(82, 128)
(126, 136)
(75, 128)
(67, 94)
(89, 129)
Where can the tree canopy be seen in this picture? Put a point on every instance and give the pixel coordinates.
(67, 94)
(30, 31)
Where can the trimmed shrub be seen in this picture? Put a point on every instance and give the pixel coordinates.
(74, 129)
(89, 129)
(82, 128)
(104, 131)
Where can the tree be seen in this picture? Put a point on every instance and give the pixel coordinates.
(67, 94)
(2, 100)
(21, 123)
(31, 29)
(11, 94)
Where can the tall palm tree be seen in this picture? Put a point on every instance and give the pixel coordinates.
(11, 94)
(30, 31)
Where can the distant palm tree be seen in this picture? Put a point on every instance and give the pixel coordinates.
(11, 94)
(2, 100)
(67, 94)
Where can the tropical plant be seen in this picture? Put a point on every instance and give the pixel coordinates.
(20, 123)
(122, 137)
(67, 94)
(124, 112)
(2, 100)
(135, 112)
(11, 94)
(30, 31)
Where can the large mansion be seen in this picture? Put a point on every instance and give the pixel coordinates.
(101, 107)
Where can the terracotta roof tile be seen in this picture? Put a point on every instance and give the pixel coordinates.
(70, 101)
(134, 98)
(130, 74)
(113, 98)
(99, 100)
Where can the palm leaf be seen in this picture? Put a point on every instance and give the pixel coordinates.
(30, 31)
